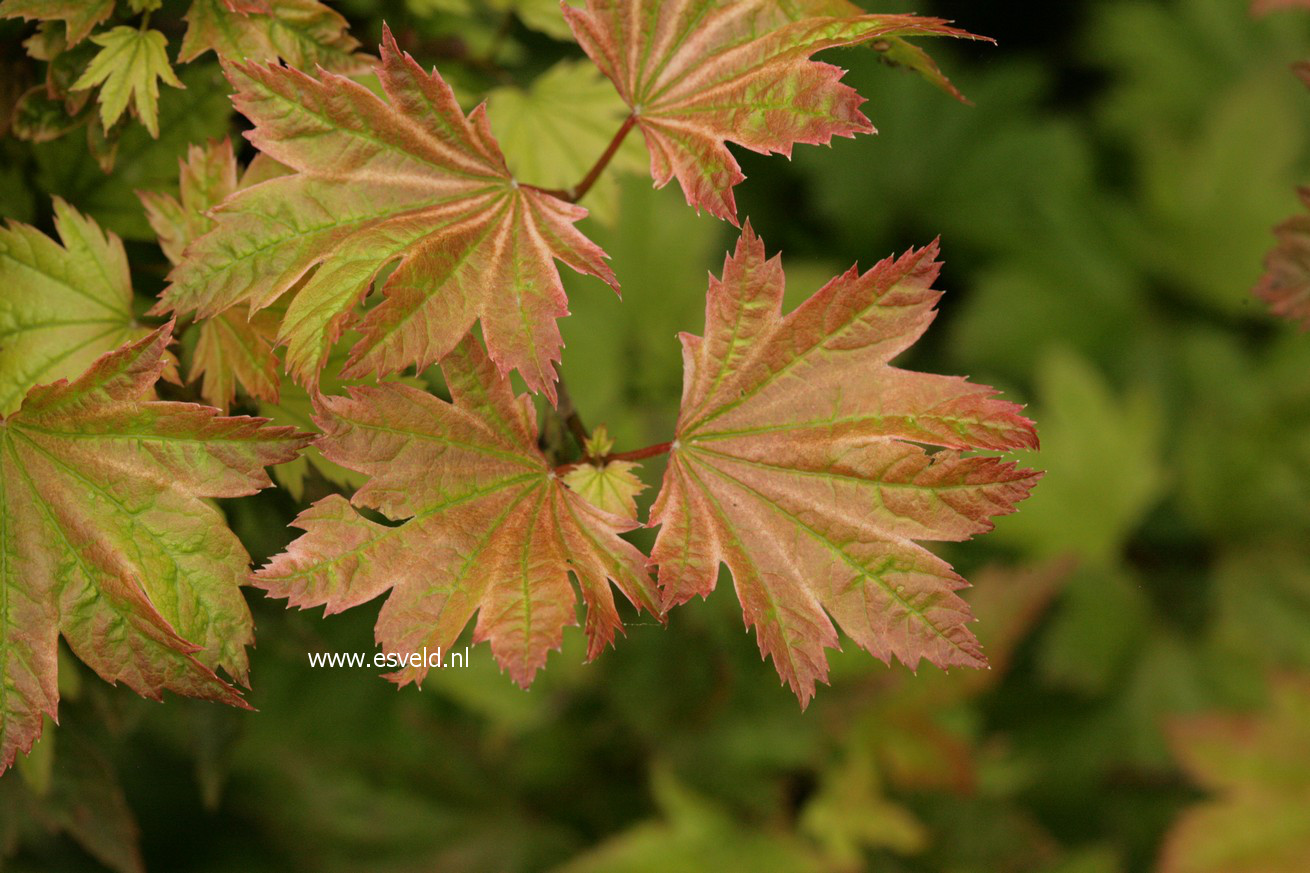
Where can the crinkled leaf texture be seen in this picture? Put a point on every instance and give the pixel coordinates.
(489, 526)
(700, 73)
(410, 182)
(233, 348)
(105, 538)
(1286, 283)
(63, 306)
(799, 463)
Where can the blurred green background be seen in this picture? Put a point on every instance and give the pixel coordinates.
(1104, 210)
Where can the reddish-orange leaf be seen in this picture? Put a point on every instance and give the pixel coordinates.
(304, 33)
(799, 463)
(1286, 283)
(410, 182)
(490, 527)
(700, 73)
(106, 538)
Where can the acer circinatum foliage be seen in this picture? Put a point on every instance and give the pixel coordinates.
(797, 462)
(105, 538)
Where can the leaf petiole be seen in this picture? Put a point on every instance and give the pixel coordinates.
(578, 191)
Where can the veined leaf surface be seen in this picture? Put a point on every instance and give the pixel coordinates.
(408, 181)
(700, 73)
(799, 463)
(490, 528)
(105, 538)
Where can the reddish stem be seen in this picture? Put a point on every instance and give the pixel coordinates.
(634, 455)
(639, 454)
(578, 191)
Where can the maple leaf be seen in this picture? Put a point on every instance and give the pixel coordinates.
(1286, 283)
(63, 306)
(411, 182)
(79, 16)
(1256, 821)
(490, 528)
(129, 66)
(608, 484)
(304, 33)
(233, 347)
(700, 73)
(796, 463)
(105, 538)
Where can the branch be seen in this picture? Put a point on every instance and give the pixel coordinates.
(578, 191)
(568, 413)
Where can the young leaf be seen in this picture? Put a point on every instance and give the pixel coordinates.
(234, 347)
(1286, 283)
(79, 16)
(1256, 821)
(303, 33)
(104, 538)
(63, 306)
(700, 73)
(610, 485)
(411, 181)
(491, 529)
(129, 65)
(796, 463)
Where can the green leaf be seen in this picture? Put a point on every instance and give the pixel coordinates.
(694, 835)
(129, 66)
(67, 168)
(1103, 457)
(1102, 621)
(106, 538)
(611, 486)
(63, 306)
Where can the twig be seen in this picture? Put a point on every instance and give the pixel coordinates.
(578, 191)
(568, 413)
